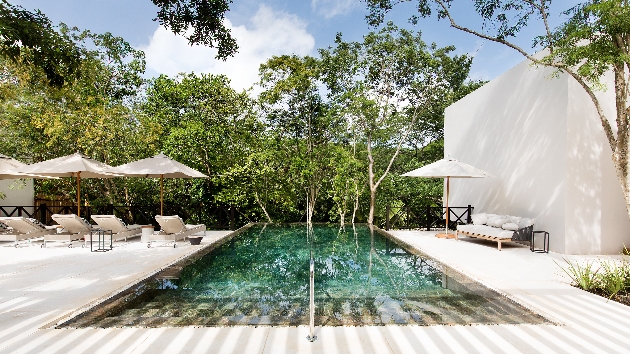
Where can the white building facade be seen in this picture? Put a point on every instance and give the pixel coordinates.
(541, 138)
(17, 193)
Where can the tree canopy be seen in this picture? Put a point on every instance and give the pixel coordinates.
(324, 134)
(594, 40)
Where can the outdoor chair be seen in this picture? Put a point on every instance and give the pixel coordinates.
(174, 229)
(23, 230)
(120, 231)
(74, 228)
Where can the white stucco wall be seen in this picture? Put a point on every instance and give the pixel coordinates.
(541, 139)
(18, 192)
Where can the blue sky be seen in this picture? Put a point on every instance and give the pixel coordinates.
(275, 27)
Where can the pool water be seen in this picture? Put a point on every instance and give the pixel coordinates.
(261, 277)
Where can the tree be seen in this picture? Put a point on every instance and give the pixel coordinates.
(207, 125)
(594, 40)
(89, 113)
(385, 85)
(204, 17)
(301, 122)
(29, 38)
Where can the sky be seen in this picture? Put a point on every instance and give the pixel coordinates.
(276, 27)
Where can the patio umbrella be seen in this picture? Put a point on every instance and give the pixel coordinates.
(9, 167)
(447, 168)
(159, 166)
(75, 165)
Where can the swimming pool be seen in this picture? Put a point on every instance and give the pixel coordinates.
(261, 277)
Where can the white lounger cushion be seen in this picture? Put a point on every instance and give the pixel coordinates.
(72, 223)
(23, 229)
(111, 222)
(171, 224)
(22, 225)
(173, 229)
(486, 230)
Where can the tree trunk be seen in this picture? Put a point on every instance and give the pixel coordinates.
(373, 187)
(262, 207)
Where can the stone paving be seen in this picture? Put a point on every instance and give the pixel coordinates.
(39, 286)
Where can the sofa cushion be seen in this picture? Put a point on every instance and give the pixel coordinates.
(515, 219)
(497, 221)
(479, 219)
(525, 222)
(510, 226)
(486, 230)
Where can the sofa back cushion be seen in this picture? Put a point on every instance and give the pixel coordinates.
(525, 222)
(479, 219)
(497, 221)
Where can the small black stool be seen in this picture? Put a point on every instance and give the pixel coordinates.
(545, 248)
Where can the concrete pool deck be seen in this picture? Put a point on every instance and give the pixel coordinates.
(40, 286)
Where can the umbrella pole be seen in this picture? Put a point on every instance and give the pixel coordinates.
(79, 193)
(161, 194)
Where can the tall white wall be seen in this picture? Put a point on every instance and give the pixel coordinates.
(18, 192)
(541, 139)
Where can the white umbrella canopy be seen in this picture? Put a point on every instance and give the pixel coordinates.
(8, 168)
(447, 168)
(75, 165)
(159, 166)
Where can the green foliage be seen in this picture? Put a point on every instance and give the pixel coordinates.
(583, 277)
(593, 40)
(205, 17)
(302, 150)
(613, 278)
(392, 90)
(29, 38)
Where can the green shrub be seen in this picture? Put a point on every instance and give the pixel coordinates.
(613, 278)
(581, 276)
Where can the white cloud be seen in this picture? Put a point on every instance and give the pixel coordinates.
(270, 33)
(332, 8)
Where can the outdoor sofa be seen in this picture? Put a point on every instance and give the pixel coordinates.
(120, 230)
(23, 230)
(498, 228)
(174, 229)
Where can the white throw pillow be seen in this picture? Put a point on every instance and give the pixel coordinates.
(490, 216)
(515, 219)
(479, 219)
(510, 226)
(525, 222)
(497, 222)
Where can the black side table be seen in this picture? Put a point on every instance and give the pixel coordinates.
(545, 248)
(101, 240)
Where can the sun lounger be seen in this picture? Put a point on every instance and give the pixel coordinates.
(173, 229)
(23, 230)
(120, 231)
(74, 228)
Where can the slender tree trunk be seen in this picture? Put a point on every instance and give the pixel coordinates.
(621, 149)
(356, 202)
(262, 206)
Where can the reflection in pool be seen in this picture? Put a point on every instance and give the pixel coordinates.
(261, 277)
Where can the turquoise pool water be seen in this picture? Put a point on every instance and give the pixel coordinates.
(261, 277)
